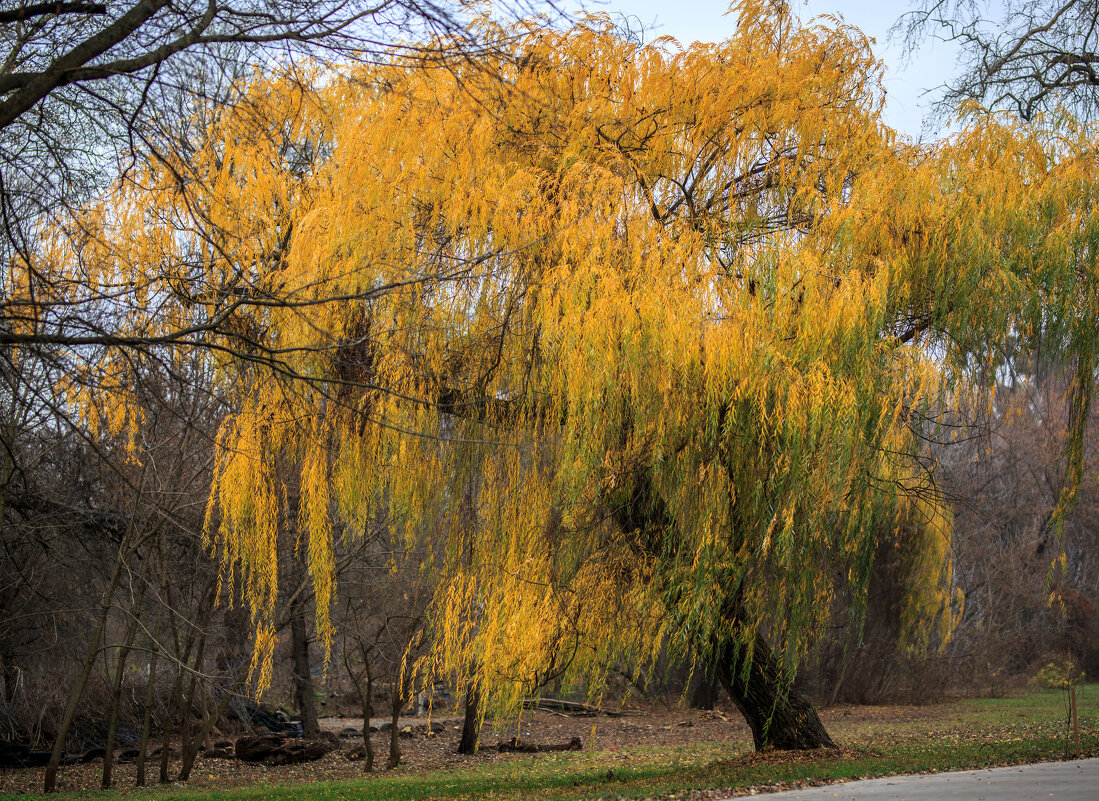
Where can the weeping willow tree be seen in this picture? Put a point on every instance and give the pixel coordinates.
(655, 332)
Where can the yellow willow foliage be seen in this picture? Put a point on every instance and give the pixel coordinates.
(521, 609)
(639, 336)
(929, 595)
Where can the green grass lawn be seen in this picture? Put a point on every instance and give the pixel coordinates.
(974, 733)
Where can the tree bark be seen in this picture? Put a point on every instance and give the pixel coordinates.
(471, 725)
(778, 715)
(147, 705)
(116, 690)
(303, 679)
(396, 704)
(368, 712)
(187, 745)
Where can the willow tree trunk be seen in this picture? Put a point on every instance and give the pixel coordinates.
(778, 715)
(471, 724)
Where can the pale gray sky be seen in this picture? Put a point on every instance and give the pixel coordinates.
(906, 108)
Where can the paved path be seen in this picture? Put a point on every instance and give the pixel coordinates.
(1061, 781)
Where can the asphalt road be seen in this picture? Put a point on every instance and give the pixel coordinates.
(1062, 781)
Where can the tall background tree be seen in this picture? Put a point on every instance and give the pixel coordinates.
(1025, 56)
(1035, 61)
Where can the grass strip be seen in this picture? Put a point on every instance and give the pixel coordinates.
(970, 734)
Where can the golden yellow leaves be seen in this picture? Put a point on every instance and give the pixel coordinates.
(932, 605)
(683, 299)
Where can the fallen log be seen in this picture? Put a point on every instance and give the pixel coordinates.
(19, 755)
(275, 750)
(569, 707)
(519, 746)
(223, 749)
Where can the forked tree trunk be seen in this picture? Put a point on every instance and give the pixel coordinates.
(209, 720)
(188, 743)
(183, 648)
(116, 690)
(364, 686)
(778, 715)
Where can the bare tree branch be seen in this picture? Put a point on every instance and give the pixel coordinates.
(41, 9)
(1039, 56)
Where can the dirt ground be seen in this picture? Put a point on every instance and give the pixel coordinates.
(657, 727)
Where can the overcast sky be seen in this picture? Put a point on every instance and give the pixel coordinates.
(705, 20)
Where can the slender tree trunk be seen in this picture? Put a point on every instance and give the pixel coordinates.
(471, 724)
(153, 663)
(364, 686)
(166, 741)
(189, 745)
(10, 676)
(303, 678)
(116, 690)
(1075, 719)
(209, 721)
(368, 712)
(396, 705)
(147, 707)
(837, 687)
(183, 654)
(49, 779)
